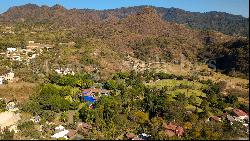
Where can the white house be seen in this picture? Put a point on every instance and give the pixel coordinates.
(11, 49)
(59, 128)
(31, 42)
(58, 71)
(1, 80)
(60, 132)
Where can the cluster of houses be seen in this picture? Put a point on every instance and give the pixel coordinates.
(9, 77)
(66, 71)
(142, 136)
(61, 132)
(237, 115)
(18, 54)
(173, 130)
(33, 45)
(91, 95)
(8, 30)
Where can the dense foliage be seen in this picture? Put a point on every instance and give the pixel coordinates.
(136, 107)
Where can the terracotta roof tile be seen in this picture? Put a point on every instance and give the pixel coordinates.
(170, 126)
(130, 135)
(239, 112)
(179, 131)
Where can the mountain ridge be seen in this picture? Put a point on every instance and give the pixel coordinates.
(213, 20)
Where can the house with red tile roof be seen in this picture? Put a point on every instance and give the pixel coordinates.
(172, 130)
(179, 131)
(239, 114)
(130, 135)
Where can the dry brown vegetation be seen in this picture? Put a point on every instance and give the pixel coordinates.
(19, 91)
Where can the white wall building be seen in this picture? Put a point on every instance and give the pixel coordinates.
(1, 80)
(58, 71)
(31, 42)
(60, 132)
(11, 49)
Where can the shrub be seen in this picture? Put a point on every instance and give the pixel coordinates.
(208, 82)
(2, 105)
(6, 134)
(231, 99)
(244, 107)
(180, 77)
(111, 85)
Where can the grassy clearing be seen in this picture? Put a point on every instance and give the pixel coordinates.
(195, 89)
(188, 93)
(172, 83)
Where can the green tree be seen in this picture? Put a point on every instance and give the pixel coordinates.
(204, 105)
(191, 117)
(231, 99)
(111, 85)
(2, 105)
(64, 117)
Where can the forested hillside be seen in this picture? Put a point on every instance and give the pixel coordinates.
(218, 21)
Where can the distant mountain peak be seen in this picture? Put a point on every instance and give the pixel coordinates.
(148, 10)
(58, 7)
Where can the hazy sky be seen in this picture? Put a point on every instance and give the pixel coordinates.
(237, 7)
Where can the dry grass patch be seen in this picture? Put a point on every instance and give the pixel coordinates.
(20, 91)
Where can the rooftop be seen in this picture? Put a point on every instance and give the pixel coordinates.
(239, 112)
